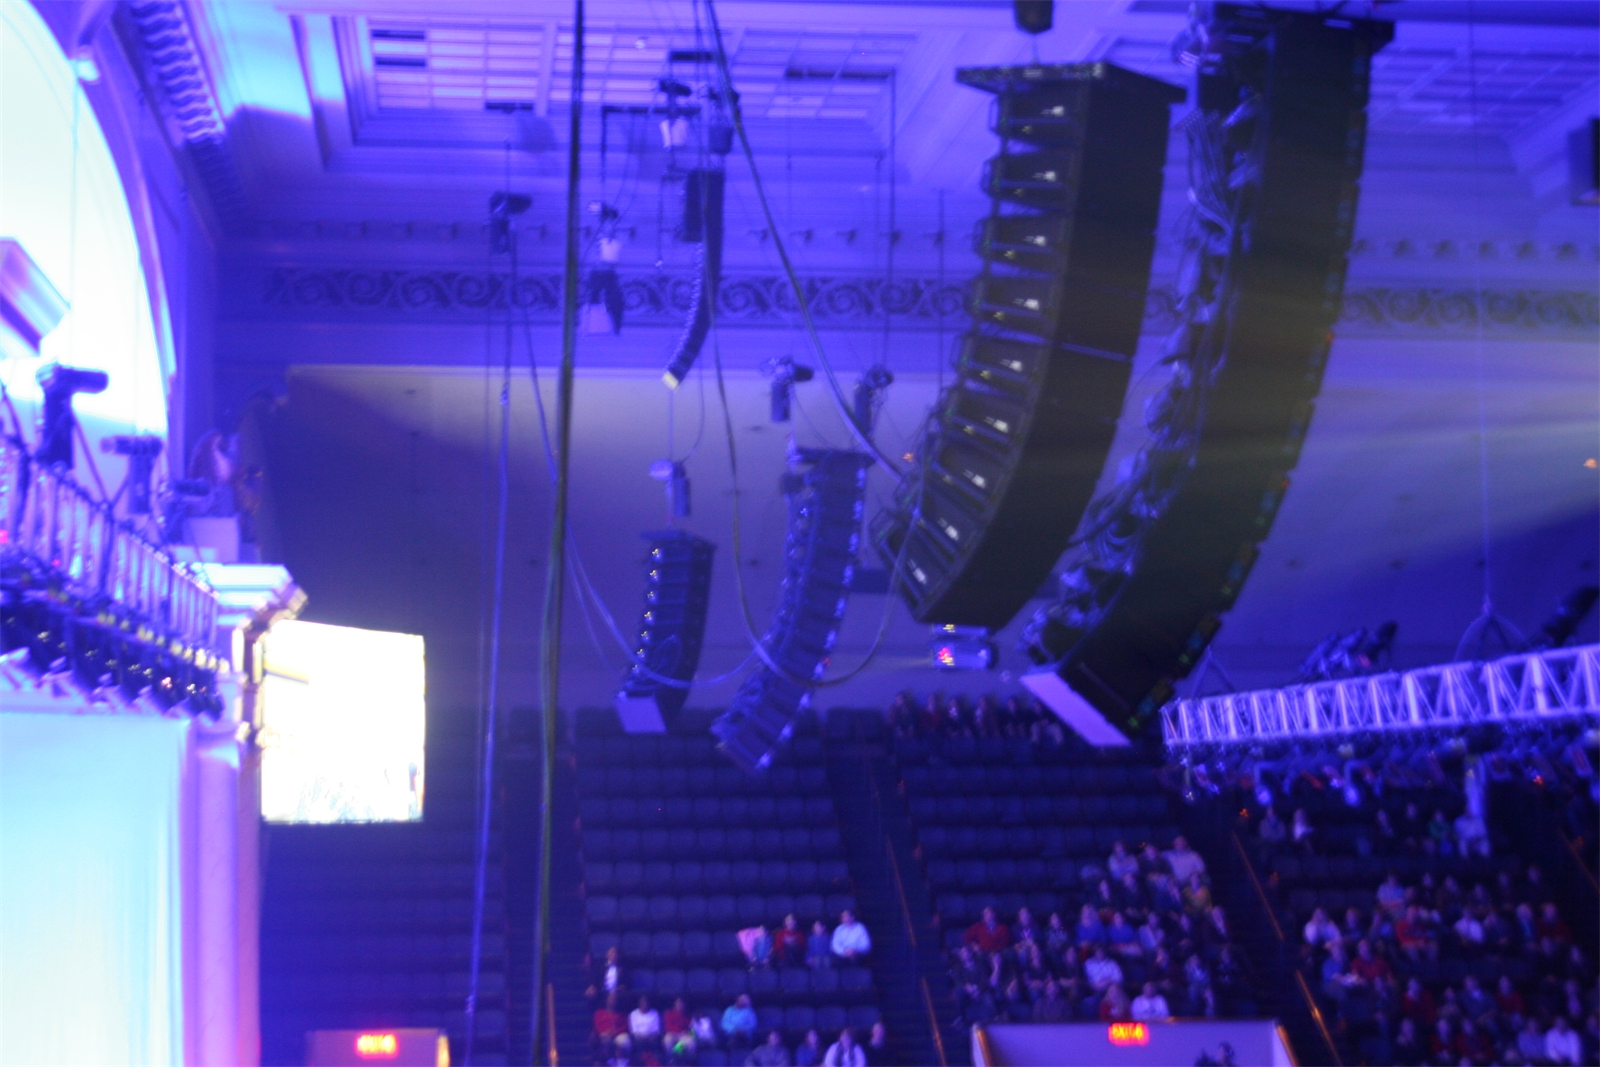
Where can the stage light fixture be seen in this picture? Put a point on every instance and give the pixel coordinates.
(141, 451)
(785, 373)
(58, 422)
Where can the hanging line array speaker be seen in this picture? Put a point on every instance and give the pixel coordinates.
(703, 192)
(1276, 147)
(1011, 457)
(826, 498)
(672, 628)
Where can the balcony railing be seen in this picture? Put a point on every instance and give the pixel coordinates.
(54, 537)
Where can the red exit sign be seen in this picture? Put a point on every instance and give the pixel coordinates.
(1123, 1034)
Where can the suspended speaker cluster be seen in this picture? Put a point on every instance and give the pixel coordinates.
(825, 506)
(1011, 458)
(671, 630)
(1276, 149)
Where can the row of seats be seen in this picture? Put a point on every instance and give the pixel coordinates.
(490, 1023)
(713, 912)
(959, 910)
(390, 989)
(1369, 870)
(308, 952)
(1024, 875)
(1011, 809)
(353, 914)
(703, 780)
(395, 879)
(692, 876)
(789, 985)
(1030, 779)
(707, 811)
(940, 842)
(601, 843)
(667, 948)
(682, 750)
(1008, 750)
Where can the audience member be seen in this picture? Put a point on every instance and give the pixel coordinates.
(1183, 861)
(989, 935)
(1150, 1004)
(770, 1053)
(819, 947)
(789, 943)
(851, 942)
(644, 1024)
(1272, 830)
(739, 1022)
(877, 1046)
(809, 1052)
(845, 1052)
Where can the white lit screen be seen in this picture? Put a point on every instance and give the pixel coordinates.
(342, 725)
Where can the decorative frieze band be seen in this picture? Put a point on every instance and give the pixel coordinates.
(844, 302)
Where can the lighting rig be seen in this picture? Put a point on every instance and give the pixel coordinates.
(84, 596)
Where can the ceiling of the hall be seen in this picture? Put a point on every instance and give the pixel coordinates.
(355, 107)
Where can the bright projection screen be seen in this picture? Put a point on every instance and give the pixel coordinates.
(342, 725)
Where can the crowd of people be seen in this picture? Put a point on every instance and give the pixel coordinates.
(1441, 973)
(646, 1037)
(1409, 832)
(1150, 944)
(988, 716)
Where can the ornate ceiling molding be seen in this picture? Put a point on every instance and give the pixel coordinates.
(173, 66)
(854, 302)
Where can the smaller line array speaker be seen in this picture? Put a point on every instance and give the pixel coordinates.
(825, 506)
(671, 629)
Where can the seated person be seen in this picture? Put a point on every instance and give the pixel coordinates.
(609, 1022)
(1184, 861)
(809, 1052)
(644, 1024)
(1101, 970)
(1272, 830)
(675, 1024)
(770, 1053)
(988, 935)
(1121, 862)
(819, 946)
(851, 942)
(789, 943)
(1149, 1004)
(739, 1022)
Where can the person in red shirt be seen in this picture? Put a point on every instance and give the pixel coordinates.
(789, 943)
(989, 934)
(609, 1022)
(1367, 966)
(1411, 932)
(1417, 1005)
(675, 1022)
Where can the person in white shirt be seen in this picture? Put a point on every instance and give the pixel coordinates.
(1102, 971)
(1184, 861)
(1561, 1043)
(850, 938)
(1320, 929)
(644, 1023)
(1469, 930)
(844, 1052)
(1150, 1004)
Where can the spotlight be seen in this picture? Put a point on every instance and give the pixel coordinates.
(503, 207)
(1034, 16)
(141, 452)
(871, 385)
(785, 373)
(58, 421)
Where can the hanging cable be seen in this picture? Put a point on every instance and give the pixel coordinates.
(863, 438)
(555, 573)
(1487, 621)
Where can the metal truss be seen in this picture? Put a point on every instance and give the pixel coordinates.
(1558, 684)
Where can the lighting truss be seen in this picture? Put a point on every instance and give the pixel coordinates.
(1533, 687)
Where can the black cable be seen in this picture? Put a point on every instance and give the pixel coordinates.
(555, 574)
